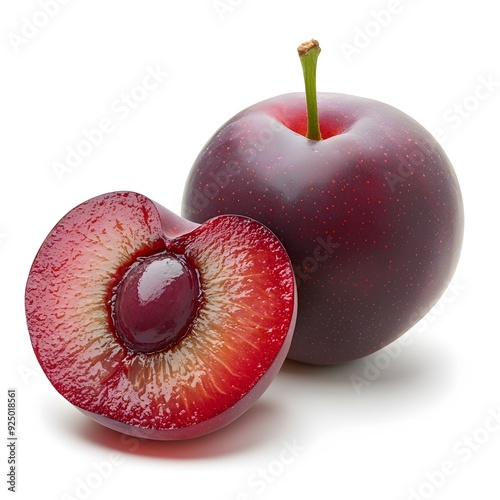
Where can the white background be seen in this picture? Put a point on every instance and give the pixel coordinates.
(430, 407)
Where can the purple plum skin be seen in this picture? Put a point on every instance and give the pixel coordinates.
(371, 216)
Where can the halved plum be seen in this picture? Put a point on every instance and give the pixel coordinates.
(156, 326)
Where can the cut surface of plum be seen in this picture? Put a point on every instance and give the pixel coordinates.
(156, 326)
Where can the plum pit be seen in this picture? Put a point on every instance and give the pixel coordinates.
(155, 302)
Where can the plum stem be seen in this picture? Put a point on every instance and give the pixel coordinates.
(308, 53)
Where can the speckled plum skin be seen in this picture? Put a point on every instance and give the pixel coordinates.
(371, 216)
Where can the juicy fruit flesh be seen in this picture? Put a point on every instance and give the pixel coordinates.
(235, 344)
(155, 302)
(371, 217)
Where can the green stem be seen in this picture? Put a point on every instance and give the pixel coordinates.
(308, 53)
